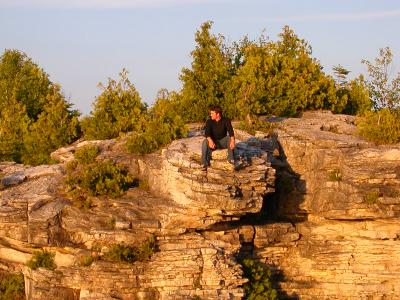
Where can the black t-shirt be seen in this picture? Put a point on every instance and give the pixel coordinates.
(218, 130)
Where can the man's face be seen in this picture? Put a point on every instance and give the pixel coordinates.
(214, 115)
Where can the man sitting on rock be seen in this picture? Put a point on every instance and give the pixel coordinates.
(216, 131)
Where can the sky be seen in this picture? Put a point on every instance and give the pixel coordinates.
(81, 43)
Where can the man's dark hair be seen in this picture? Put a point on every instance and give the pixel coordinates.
(216, 108)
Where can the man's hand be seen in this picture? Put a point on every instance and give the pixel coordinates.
(211, 143)
(232, 143)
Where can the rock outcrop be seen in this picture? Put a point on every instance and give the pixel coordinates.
(182, 200)
(342, 195)
(328, 226)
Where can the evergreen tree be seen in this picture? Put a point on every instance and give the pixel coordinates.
(24, 81)
(207, 81)
(14, 124)
(282, 78)
(356, 96)
(26, 100)
(341, 75)
(56, 126)
(117, 109)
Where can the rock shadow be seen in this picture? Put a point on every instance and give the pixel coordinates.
(285, 203)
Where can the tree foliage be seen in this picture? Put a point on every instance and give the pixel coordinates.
(116, 110)
(384, 90)
(35, 118)
(355, 95)
(259, 286)
(381, 127)
(207, 81)
(159, 127)
(14, 123)
(12, 286)
(23, 81)
(249, 78)
(57, 125)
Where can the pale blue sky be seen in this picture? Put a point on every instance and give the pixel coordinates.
(81, 43)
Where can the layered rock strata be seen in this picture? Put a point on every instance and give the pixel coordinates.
(342, 195)
(36, 213)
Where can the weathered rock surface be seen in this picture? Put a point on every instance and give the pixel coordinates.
(330, 231)
(36, 212)
(218, 194)
(342, 195)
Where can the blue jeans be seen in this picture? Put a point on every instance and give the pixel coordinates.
(220, 144)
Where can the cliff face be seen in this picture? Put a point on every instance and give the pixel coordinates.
(182, 201)
(329, 231)
(342, 196)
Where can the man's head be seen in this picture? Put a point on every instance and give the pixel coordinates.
(215, 112)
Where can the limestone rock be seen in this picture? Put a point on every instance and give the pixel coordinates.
(36, 213)
(220, 193)
(341, 194)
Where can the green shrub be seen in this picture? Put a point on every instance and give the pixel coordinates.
(372, 196)
(117, 109)
(12, 286)
(97, 179)
(86, 154)
(259, 286)
(42, 259)
(335, 175)
(154, 133)
(146, 249)
(381, 127)
(123, 253)
(142, 143)
(86, 260)
(257, 125)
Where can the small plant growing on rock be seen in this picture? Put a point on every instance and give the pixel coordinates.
(129, 254)
(42, 259)
(146, 249)
(86, 154)
(144, 184)
(12, 286)
(372, 196)
(381, 127)
(259, 285)
(335, 175)
(87, 177)
(257, 125)
(86, 260)
(121, 253)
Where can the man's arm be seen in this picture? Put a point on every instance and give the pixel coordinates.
(231, 134)
(211, 143)
(232, 143)
(207, 134)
